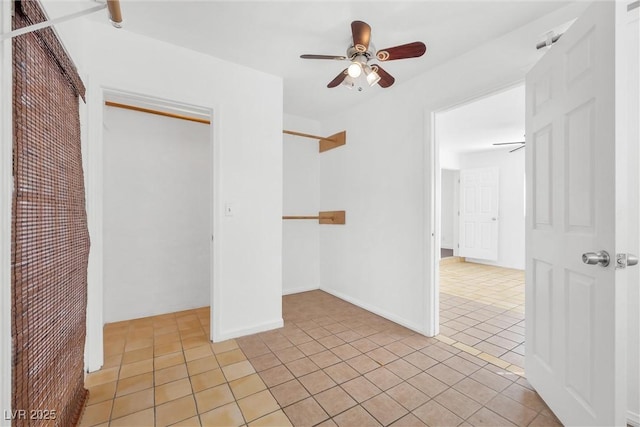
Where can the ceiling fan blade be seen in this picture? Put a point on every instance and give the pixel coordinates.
(509, 143)
(361, 32)
(339, 79)
(409, 50)
(336, 57)
(386, 79)
(516, 149)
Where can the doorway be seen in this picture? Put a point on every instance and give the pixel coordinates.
(95, 183)
(481, 226)
(157, 209)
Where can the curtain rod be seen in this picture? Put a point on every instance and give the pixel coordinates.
(51, 22)
(157, 112)
(115, 14)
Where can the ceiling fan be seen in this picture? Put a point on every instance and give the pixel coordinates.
(361, 51)
(512, 143)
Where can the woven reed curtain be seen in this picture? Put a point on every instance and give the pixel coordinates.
(50, 241)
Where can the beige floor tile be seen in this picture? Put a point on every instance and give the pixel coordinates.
(257, 405)
(202, 365)
(207, 380)
(238, 370)
(133, 402)
(175, 410)
(213, 397)
(230, 357)
(195, 341)
(138, 343)
(289, 392)
(475, 390)
(102, 392)
(168, 348)
(136, 368)
(275, 419)
(112, 361)
(457, 403)
(137, 355)
(224, 346)
(227, 415)
(325, 358)
(134, 384)
(302, 367)
(168, 338)
(189, 422)
(173, 390)
(170, 374)
(408, 396)
(341, 372)
(361, 389)
(141, 418)
(511, 410)
(316, 382)
(307, 412)
(245, 386)
(356, 416)
(198, 352)
(96, 414)
(168, 360)
(335, 400)
(434, 414)
(385, 409)
(383, 378)
(427, 384)
(101, 377)
(189, 380)
(488, 418)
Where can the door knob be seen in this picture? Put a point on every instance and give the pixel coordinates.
(593, 258)
(626, 260)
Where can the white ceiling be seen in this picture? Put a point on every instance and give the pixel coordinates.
(271, 35)
(476, 126)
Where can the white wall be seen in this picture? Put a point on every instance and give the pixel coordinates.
(447, 208)
(247, 162)
(383, 257)
(157, 214)
(301, 196)
(511, 224)
(247, 135)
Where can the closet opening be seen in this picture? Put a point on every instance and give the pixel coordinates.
(157, 210)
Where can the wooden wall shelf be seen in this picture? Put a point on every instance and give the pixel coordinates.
(326, 217)
(325, 143)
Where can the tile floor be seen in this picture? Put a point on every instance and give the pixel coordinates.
(482, 307)
(332, 364)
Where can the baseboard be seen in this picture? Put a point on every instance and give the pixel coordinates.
(267, 326)
(389, 316)
(633, 419)
(300, 289)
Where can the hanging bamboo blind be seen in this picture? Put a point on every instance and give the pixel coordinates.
(50, 241)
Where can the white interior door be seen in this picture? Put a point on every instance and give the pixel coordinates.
(571, 306)
(479, 213)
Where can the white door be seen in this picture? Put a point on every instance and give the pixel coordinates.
(571, 306)
(479, 213)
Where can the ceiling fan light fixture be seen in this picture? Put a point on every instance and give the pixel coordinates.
(354, 70)
(348, 82)
(372, 76)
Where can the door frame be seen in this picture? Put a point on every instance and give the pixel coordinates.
(93, 150)
(6, 194)
(433, 201)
